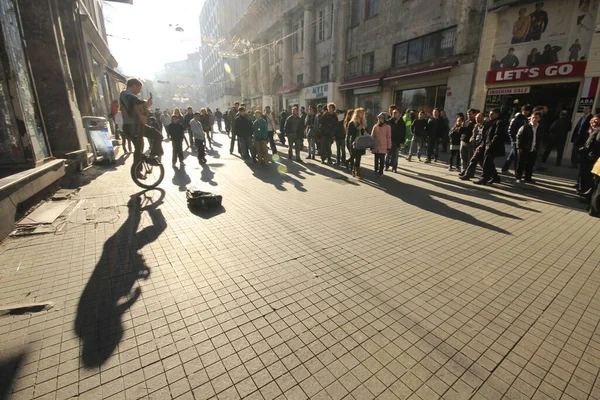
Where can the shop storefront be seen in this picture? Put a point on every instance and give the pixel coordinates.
(421, 90)
(290, 95)
(556, 86)
(537, 53)
(365, 92)
(319, 94)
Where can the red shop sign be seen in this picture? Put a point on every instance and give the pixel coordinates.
(547, 71)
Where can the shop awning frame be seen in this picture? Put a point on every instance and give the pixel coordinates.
(119, 77)
(423, 71)
(290, 88)
(362, 82)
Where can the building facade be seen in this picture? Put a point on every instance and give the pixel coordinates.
(179, 84)
(220, 62)
(46, 86)
(541, 53)
(411, 55)
(292, 58)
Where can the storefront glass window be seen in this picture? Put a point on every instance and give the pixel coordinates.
(371, 103)
(422, 99)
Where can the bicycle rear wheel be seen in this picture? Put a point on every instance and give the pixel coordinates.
(147, 173)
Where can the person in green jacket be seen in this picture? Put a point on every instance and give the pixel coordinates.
(409, 117)
(260, 138)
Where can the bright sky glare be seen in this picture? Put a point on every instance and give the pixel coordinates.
(140, 36)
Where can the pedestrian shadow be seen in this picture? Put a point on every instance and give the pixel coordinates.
(427, 200)
(213, 153)
(458, 186)
(330, 173)
(181, 178)
(277, 175)
(110, 291)
(9, 368)
(206, 175)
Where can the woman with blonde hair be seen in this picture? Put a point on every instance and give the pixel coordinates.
(347, 119)
(356, 127)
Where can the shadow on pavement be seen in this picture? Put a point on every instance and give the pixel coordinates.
(110, 290)
(426, 200)
(89, 175)
(207, 213)
(276, 175)
(181, 178)
(206, 175)
(8, 371)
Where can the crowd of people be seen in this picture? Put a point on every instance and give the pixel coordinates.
(474, 139)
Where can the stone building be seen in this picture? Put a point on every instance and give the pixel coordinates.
(417, 55)
(48, 81)
(292, 55)
(541, 53)
(179, 84)
(220, 63)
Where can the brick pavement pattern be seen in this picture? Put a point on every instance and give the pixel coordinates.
(308, 284)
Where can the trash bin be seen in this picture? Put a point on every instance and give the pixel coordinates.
(99, 136)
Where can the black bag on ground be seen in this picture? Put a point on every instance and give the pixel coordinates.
(198, 198)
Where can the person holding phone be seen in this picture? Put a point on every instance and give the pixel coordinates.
(135, 120)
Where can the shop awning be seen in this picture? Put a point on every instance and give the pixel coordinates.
(116, 74)
(290, 88)
(417, 72)
(361, 82)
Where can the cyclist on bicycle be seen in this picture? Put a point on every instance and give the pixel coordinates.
(135, 121)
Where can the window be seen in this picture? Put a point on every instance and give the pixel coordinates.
(356, 12)
(325, 74)
(368, 63)
(298, 37)
(400, 53)
(415, 49)
(422, 99)
(352, 67)
(330, 28)
(299, 78)
(434, 45)
(321, 26)
(372, 8)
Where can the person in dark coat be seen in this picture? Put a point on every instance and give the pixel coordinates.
(528, 142)
(398, 138)
(557, 137)
(419, 133)
(283, 116)
(294, 130)
(516, 123)
(177, 135)
(328, 124)
(494, 146)
(243, 130)
(436, 129)
(580, 134)
(477, 140)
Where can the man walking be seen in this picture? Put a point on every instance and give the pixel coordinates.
(516, 123)
(493, 147)
(219, 117)
(176, 133)
(232, 115)
(242, 128)
(557, 137)
(198, 132)
(527, 144)
(466, 148)
(165, 120)
(398, 126)
(271, 128)
(580, 134)
(294, 130)
(328, 125)
(436, 129)
(260, 138)
(186, 123)
(419, 131)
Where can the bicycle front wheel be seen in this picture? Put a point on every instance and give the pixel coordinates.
(147, 173)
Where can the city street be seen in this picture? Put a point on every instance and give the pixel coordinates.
(307, 284)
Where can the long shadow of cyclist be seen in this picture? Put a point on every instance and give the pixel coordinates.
(110, 290)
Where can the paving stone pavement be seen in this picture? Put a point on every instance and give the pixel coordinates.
(308, 284)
